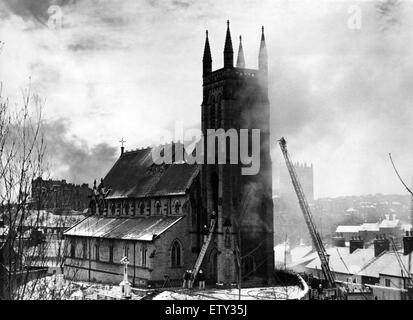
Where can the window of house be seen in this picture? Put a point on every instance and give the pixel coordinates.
(387, 282)
(113, 209)
(176, 254)
(177, 206)
(118, 208)
(158, 207)
(143, 255)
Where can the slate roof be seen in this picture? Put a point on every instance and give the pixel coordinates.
(354, 261)
(387, 264)
(303, 261)
(300, 252)
(373, 227)
(45, 219)
(135, 175)
(137, 228)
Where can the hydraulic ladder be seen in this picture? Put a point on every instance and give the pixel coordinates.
(321, 251)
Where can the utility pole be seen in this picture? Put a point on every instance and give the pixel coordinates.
(238, 257)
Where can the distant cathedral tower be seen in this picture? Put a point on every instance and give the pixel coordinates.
(237, 97)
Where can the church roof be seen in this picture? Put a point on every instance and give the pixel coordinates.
(137, 228)
(135, 175)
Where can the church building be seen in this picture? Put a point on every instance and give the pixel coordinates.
(154, 213)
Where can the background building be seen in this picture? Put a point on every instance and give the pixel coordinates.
(289, 222)
(59, 196)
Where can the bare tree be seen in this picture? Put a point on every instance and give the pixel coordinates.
(22, 150)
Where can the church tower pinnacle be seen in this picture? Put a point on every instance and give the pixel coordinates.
(262, 56)
(240, 58)
(228, 51)
(207, 60)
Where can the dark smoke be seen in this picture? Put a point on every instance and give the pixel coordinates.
(343, 103)
(71, 158)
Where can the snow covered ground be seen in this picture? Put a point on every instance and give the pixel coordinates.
(267, 293)
(50, 288)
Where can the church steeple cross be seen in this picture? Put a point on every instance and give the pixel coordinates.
(122, 148)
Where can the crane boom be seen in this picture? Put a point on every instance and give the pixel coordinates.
(318, 244)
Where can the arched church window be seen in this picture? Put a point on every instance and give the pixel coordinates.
(73, 249)
(97, 248)
(177, 206)
(126, 207)
(158, 207)
(143, 255)
(133, 208)
(227, 238)
(142, 208)
(176, 252)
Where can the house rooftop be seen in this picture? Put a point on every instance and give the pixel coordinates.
(348, 229)
(353, 262)
(387, 264)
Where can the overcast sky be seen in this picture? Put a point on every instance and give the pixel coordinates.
(341, 95)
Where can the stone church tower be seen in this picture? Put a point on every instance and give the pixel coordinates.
(237, 97)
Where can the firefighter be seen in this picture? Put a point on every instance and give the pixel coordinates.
(205, 231)
(214, 216)
(191, 279)
(187, 279)
(201, 279)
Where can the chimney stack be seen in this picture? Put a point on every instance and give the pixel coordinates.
(408, 243)
(339, 241)
(356, 243)
(381, 244)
